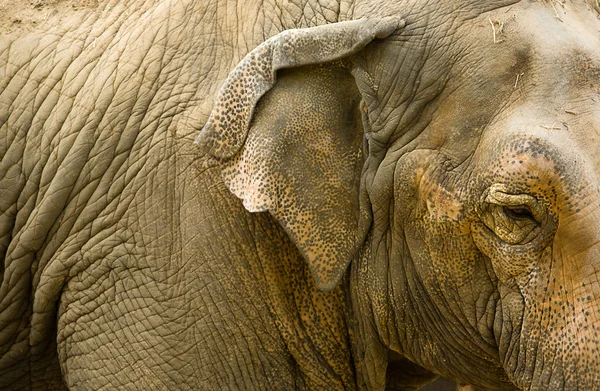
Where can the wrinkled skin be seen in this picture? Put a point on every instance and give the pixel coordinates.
(432, 197)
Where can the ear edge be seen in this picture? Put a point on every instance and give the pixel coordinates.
(273, 55)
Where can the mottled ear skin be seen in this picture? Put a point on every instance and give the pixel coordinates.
(297, 152)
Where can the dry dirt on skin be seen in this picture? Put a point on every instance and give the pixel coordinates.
(26, 15)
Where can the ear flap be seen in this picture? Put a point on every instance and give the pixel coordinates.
(302, 157)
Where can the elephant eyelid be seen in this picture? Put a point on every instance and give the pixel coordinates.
(515, 219)
(516, 206)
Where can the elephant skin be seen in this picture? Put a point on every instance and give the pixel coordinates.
(365, 195)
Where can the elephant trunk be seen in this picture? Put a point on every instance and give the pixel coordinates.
(558, 347)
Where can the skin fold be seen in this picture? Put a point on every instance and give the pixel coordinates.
(390, 191)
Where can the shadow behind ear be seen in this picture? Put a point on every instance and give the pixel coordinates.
(302, 161)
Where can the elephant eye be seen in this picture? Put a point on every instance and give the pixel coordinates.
(518, 212)
(514, 218)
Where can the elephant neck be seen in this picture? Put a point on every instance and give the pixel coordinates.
(312, 323)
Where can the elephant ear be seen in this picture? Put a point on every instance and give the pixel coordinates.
(297, 152)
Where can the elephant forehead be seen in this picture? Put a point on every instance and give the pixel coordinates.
(552, 50)
(504, 67)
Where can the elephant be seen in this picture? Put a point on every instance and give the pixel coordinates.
(302, 194)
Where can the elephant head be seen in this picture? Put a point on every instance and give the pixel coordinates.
(450, 154)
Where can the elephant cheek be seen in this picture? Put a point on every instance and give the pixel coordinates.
(444, 233)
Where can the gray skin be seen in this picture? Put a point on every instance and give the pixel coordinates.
(367, 204)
